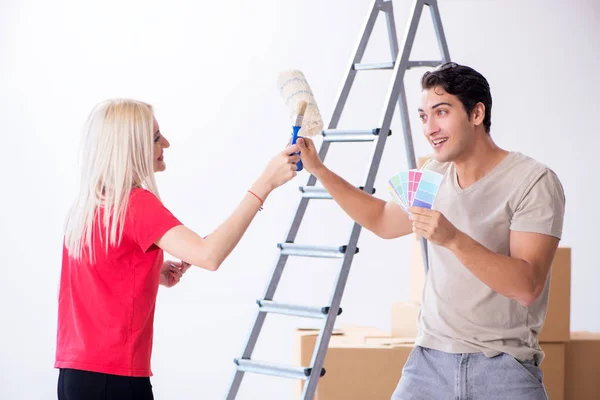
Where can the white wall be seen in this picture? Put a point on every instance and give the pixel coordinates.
(210, 70)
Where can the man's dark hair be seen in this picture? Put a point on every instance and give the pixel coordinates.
(465, 83)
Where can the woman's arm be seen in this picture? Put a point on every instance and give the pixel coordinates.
(210, 252)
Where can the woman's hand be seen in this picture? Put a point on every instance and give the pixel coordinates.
(281, 169)
(171, 272)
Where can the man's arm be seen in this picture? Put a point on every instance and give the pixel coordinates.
(536, 227)
(385, 219)
(520, 276)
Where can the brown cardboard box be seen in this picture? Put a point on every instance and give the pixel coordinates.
(348, 331)
(361, 366)
(582, 360)
(417, 270)
(557, 324)
(404, 319)
(422, 160)
(558, 318)
(357, 368)
(553, 368)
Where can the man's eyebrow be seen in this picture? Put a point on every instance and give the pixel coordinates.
(443, 103)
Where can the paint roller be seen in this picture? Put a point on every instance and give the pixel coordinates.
(300, 105)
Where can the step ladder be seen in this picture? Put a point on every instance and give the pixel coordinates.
(399, 64)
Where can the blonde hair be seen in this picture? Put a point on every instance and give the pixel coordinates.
(117, 155)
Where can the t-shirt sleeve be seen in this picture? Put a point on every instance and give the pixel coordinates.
(147, 219)
(542, 208)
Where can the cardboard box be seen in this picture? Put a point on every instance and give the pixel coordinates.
(557, 323)
(582, 360)
(553, 368)
(404, 319)
(358, 366)
(422, 160)
(558, 317)
(362, 364)
(417, 270)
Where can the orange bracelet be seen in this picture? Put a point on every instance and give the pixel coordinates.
(259, 199)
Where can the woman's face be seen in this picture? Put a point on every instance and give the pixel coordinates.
(160, 143)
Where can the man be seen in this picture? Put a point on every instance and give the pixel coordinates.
(492, 235)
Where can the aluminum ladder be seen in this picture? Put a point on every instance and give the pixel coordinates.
(396, 94)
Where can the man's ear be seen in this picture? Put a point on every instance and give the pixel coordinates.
(478, 113)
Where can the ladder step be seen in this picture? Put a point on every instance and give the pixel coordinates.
(392, 64)
(413, 64)
(313, 192)
(291, 249)
(265, 368)
(374, 66)
(342, 135)
(294, 310)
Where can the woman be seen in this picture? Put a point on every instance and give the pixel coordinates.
(112, 264)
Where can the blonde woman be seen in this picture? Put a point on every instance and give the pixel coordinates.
(113, 264)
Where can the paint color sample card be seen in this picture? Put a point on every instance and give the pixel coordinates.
(395, 184)
(415, 187)
(404, 183)
(395, 196)
(414, 177)
(427, 190)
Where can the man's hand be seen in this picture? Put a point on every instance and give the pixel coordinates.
(433, 226)
(171, 272)
(309, 155)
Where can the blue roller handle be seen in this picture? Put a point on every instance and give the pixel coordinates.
(295, 137)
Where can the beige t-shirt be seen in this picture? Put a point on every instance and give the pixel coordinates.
(459, 313)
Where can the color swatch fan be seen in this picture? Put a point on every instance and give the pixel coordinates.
(414, 188)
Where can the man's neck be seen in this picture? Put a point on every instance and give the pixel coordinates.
(478, 161)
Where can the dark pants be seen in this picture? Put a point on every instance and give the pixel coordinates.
(74, 384)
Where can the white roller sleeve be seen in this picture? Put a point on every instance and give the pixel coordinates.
(293, 87)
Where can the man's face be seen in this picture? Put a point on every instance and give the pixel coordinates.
(445, 124)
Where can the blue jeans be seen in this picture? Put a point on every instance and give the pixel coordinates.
(435, 375)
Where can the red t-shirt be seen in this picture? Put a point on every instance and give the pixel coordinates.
(106, 309)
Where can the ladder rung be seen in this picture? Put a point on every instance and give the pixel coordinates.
(342, 135)
(392, 64)
(313, 192)
(284, 371)
(291, 249)
(374, 66)
(413, 64)
(294, 310)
